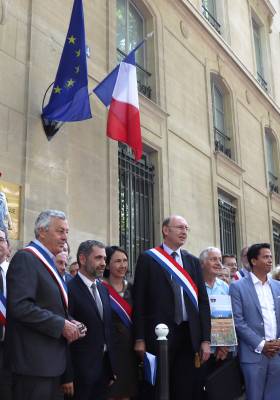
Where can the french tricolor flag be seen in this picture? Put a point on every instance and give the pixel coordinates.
(119, 92)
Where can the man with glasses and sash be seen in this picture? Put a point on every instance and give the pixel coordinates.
(38, 328)
(169, 289)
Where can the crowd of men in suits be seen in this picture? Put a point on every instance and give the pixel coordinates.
(61, 334)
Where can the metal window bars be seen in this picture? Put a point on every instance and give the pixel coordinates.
(136, 204)
(227, 221)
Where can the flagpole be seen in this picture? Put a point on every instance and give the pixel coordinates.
(50, 127)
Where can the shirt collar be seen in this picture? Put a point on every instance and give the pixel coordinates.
(86, 281)
(170, 251)
(217, 282)
(4, 266)
(256, 280)
(36, 241)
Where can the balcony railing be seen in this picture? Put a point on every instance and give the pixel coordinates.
(273, 183)
(222, 142)
(262, 82)
(211, 19)
(143, 76)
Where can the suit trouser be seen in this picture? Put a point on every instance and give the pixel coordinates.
(262, 380)
(5, 378)
(27, 387)
(183, 374)
(96, 390)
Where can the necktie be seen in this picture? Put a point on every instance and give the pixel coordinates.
(97, 299)
(2, 292)
(178, 317)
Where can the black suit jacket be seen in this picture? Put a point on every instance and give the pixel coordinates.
(35, 319)
(153, 302)
(87, 353)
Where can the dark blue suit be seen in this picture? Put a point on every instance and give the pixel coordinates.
(91, 366)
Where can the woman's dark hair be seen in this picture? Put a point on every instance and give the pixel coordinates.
(110, 250)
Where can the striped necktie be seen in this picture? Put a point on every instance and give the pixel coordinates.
(97, 299)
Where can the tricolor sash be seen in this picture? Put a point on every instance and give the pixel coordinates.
(2, 309)
(119, 305)
(238, 275)
(49, 265)
(178, 273)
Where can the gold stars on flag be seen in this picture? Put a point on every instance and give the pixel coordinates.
(69, 83)
(78, 53)
(77, 69)
(71, 39)
(57, 90)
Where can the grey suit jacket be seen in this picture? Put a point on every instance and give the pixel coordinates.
(248, 316)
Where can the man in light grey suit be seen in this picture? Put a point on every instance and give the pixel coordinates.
(256, 309)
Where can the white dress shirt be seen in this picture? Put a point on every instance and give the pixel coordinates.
(88, 284)
(266, 300)
(179, 261)
(3, 271)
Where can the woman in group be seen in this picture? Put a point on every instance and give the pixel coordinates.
(125, 387)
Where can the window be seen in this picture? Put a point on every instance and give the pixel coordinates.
(259, 54)
(276, 242)
(221, 117)
(136, 204)
(210, 13)
(130, 32)
(227, 221)
(272, 161)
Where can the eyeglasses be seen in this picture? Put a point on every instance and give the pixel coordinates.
(180, 227)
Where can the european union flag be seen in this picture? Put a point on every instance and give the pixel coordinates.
(69, 100)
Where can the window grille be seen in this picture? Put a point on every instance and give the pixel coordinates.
(136, 204)
(227, 221)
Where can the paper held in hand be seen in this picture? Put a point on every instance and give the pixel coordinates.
(222, 322)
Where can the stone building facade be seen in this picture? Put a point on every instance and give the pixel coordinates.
(210, 117)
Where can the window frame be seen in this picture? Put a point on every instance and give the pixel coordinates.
(272, 160)
(231, 203)
(144, 76)
(223, 140)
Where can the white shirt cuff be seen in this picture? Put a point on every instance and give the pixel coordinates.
(259, 349)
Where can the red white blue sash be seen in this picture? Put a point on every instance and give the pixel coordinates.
(178, 273)
(238, 275)
(49, 265)
(2, 309)
(119, 305)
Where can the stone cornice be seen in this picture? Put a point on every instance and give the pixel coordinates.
(229, 163)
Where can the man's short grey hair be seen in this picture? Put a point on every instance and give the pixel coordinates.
(205, 253)
(44, 219)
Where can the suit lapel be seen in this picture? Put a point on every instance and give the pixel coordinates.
(252, 290)
(85, 290)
